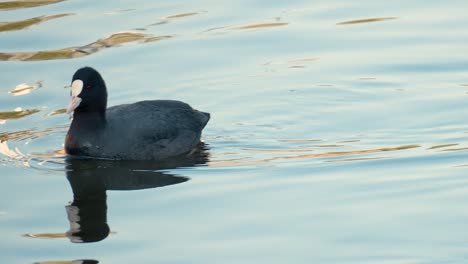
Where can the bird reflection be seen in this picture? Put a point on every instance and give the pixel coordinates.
(90, 179)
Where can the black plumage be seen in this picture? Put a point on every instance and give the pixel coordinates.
(146, 130)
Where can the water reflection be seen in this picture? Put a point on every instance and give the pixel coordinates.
(23, 24)
(366, 20)
(11, 5)
(166, 19)
(24, 88)
(77, 261)
(17, 113)
(263, 25)
(90, 180)
(335, 154)
(30, 134)
(112, 40)
(182, 15)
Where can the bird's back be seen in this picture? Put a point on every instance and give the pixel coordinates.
(152, 129)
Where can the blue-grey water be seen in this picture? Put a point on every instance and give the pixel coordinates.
(339, 132)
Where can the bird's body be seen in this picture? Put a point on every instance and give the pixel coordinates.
(146, 130)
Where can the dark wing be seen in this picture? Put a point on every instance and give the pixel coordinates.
(158, 127)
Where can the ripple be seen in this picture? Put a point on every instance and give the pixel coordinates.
(275, 150)
(349, 141)
(262, 25)
(120, 11)
(366, 20)
(166, 19)
(31, 133)
(49, 160)
(456, 149)
(443, 146)
(113, 40)
(46, 235)
(58, 112)
(17, 114)
(11, 5)
(157, 38)
(24, 88)
(182, 15)
(299, 140)
(23, 24)
(76, 261)
(328, 146)
(38, 160)
(356, 159)
(292, 63)
(225, 29)
(11, 153)
(316, 155)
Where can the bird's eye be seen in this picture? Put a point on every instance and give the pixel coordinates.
(88, 87)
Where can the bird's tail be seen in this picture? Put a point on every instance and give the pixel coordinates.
(204, 118)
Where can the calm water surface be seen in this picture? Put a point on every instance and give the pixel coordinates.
(339, 132)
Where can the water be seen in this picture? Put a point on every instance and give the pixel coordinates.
(338, 132)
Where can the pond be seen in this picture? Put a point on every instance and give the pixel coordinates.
(338, 132)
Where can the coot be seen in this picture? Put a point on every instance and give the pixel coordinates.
(146, 130)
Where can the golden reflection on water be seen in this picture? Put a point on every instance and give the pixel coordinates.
(113, 40)
(275, 150)
(46, 235)
(17, 114)
(349, 141)
(23, 89)
(116, 39)
(31, 133)
(157, 38)
(15, 154)
(11, 153)
(328, 146)
(10, 5)
(49, 154)
(22, 24)
(166, 19)
(366, 20)
(58, 112)
(262, 25)
(77, 261)
(314, 155)
(443, 146)
(355, 159)
(182, 15)
(299, 140)
(456, 149)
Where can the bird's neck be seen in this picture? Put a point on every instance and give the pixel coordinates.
(89, 120)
